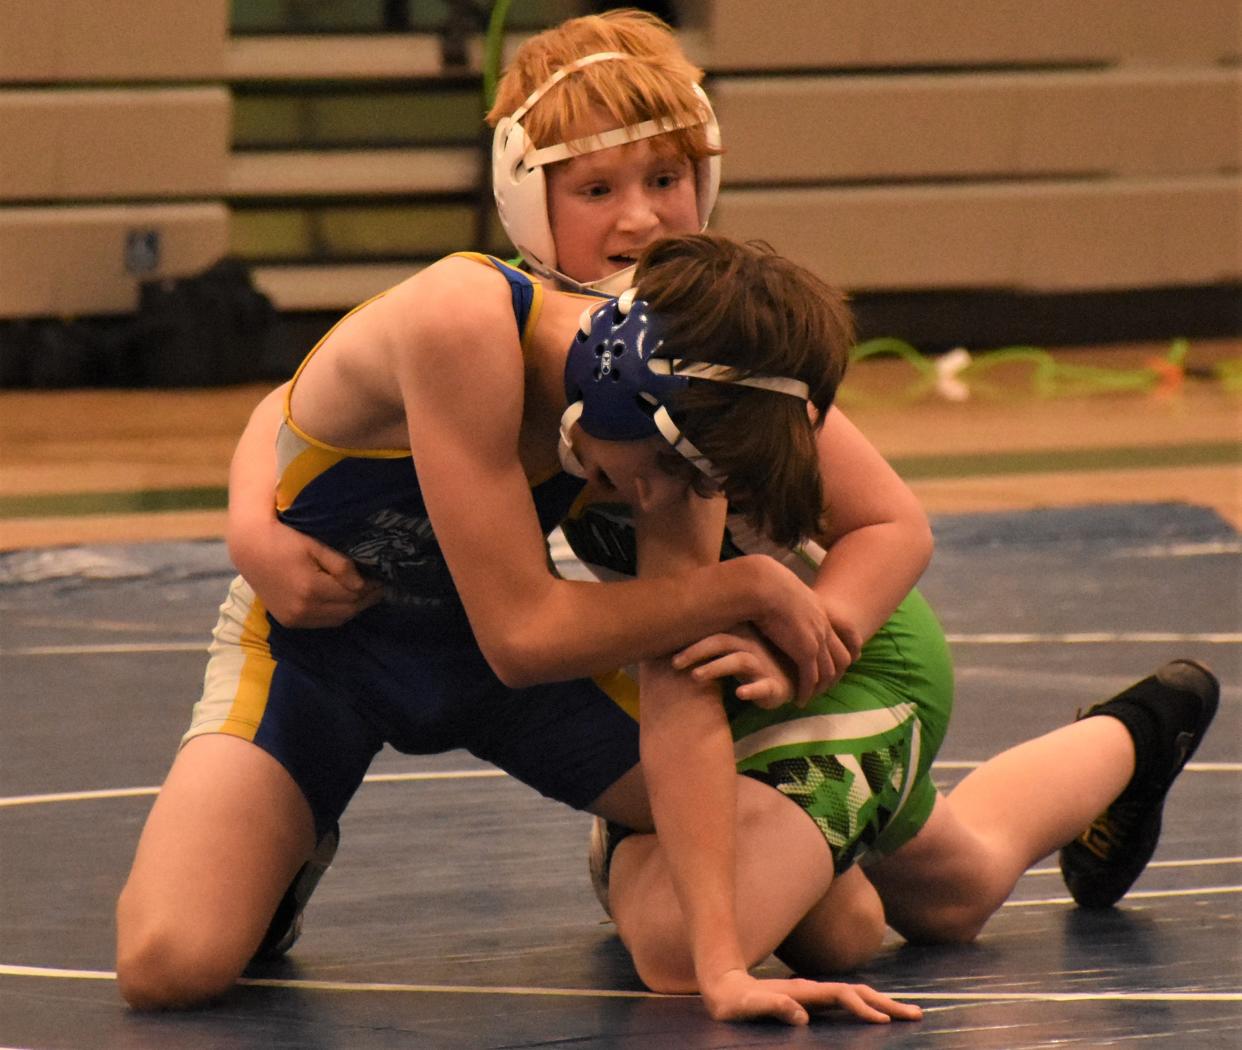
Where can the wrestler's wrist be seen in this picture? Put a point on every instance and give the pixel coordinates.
(751, 588)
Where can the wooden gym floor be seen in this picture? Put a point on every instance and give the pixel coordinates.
(91, 466)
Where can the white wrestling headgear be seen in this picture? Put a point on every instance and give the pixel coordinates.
(520, 188)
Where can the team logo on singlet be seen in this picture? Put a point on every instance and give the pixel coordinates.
(401, 550)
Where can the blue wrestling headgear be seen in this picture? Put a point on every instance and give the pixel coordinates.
(617, 386)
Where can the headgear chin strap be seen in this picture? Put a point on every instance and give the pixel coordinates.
(617, 387)
(520, 187)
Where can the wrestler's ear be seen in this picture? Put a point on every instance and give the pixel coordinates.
(655, 488)
(647, 493)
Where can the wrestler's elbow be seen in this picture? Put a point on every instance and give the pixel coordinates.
(516, 659)
(516, 675)
(923, 541)
(538, 639)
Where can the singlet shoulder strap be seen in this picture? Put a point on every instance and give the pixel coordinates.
(525, 291)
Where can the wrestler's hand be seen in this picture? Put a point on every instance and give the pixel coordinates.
(843, 626)
(737, 996)
(763, 674)
(796, 623)
(303, 583)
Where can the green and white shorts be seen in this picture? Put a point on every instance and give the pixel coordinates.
(858, 758)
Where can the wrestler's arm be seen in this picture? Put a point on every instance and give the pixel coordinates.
(302, 582)
(878, 543)
(687, 754)
(688, 765)
(459, 370)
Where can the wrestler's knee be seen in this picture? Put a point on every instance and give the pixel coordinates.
(164, 965)
(958, 922)
(651, 926)
(661, 956)
(842, 933)
(862, 936)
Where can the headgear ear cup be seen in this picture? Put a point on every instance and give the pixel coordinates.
(521, 195)
(707, 169)
(520, 189)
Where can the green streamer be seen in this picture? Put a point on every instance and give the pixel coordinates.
(1049, 377)
(493, 52)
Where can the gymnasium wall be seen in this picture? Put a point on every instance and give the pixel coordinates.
(1043, 145)
(114, 150)
(898, 147)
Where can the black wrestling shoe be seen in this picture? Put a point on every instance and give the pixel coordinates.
(1168, 714)
(286, 925)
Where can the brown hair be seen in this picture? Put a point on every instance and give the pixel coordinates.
(656, 80)
(742, 304)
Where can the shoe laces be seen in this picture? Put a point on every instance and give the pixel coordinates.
(1109, 831)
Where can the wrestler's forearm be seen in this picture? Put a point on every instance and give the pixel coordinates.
(687, 757)
(602, 626)
(867, 573)
(878, 540)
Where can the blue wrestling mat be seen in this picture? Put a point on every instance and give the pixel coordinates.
(458, 915)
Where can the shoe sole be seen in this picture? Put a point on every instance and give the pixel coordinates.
(1210, 699)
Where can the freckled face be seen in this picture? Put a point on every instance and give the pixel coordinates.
(606, 207)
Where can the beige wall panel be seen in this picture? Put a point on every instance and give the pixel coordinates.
(1133, 234)
(1157, 32)
(1133, 122)
(820, 128)
(807, 129)
(820, 34)
(368, 171)
(916, 237)
(1235, 117)
(292, 57)
(68, 40)
(329, 287)
(72, 260)
(1034, 236)
(114, 142)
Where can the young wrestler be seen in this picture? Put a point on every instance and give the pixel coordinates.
(765, 847)
(855, 759)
